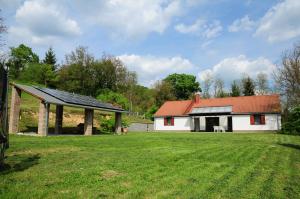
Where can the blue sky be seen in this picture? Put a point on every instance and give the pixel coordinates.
(221, 38)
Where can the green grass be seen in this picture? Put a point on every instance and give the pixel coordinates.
(153, 165)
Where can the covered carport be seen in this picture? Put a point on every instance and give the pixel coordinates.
(59, 99)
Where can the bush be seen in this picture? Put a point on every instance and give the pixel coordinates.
(292, 124)
(108, 124)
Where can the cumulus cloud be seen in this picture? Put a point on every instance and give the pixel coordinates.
(243, 24)
(202, 28)
(235, 67)
(42, 22)
(132, 19)
(281, 22)
(151, 68)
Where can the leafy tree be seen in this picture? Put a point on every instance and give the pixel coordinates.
(235, 89)
(142, 98)
(114, 98)
(19, 58)
(151, 112)
(262, 84)
(50, 58)
(163, 92)
(184, 85)
(39, 73)
(248, 86)
(77, 74)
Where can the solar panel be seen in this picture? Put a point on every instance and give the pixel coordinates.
(77, 99)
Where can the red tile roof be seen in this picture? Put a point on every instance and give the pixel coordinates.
(243, 104)
(174, 108)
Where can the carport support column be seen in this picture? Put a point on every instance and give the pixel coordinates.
(59, 119)
(88, 121)
(118, 122)
(15, 110)
(43, 119)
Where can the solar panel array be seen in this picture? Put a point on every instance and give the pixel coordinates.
(77, 99)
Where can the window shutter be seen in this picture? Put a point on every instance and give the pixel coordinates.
(252, 120)
(165, 121)
(172, 121)
(262, 119)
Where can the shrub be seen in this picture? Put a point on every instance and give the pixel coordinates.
(292, 124)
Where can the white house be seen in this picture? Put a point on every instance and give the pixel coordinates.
(246, 113)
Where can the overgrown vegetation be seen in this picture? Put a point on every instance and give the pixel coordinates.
(153, 165)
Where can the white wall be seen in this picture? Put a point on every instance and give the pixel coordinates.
(180, 124)
(242, 123)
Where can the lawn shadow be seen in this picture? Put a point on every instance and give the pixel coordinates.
(294, 146)
(20, 163)
(65, 130)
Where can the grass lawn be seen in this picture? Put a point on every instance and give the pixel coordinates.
(153, 165)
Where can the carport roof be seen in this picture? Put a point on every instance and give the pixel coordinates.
(58, 97)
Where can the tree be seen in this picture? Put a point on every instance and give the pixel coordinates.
(287, 77)
(163, 92)
(292, 122)
(50, 58)
(2, 29)
(184, 85)
(207, 83)
(77, 74)
(235, 89)
(39, 73)
(114, 98)
(262, 84)
(20, 57)
(219, 88)
(248, 86)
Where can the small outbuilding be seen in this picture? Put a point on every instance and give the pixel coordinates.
(59, 99)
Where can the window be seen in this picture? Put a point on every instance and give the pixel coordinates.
(257, 119)
(169, 121)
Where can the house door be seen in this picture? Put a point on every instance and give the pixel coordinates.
(196, 124)
(229, 120)
(210, 122)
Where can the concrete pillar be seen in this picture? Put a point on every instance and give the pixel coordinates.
(88, 121)
(43, 119)
(59, 119)
(118, 122)
(14, 110)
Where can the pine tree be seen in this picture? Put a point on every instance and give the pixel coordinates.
(235, 89)
(248, 86)
(50, 58)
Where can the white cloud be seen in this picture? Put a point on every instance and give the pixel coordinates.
(243, 24)
(132, 19)
(235, 67)
(150, 68)
(202, 28)
(281, 22)
(42, 22)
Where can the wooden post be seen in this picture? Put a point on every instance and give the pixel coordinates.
(15, 110)
(88, 121)
(118, 122)
(59, 119)
(43, 119)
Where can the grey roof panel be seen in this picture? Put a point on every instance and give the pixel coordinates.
(77, 99)
(67, 99)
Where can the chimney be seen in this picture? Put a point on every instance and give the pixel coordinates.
(197, 97)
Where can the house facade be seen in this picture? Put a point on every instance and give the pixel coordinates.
(245, 113)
